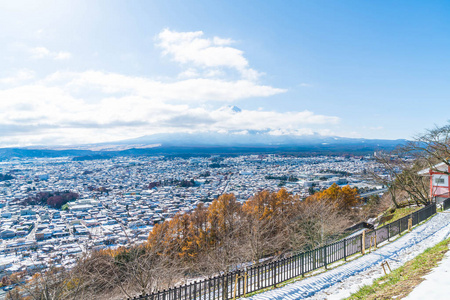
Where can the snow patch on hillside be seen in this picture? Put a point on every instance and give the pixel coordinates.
(344, 280)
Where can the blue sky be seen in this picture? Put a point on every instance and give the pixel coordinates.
(93, 71)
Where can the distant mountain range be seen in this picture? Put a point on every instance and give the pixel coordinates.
(248, 138)
(212, 143)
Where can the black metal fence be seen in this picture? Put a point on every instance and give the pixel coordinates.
(242, 282)
(446, 204)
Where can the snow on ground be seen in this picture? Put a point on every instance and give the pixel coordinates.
(435, 284)
(346, 279)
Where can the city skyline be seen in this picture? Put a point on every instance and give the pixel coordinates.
(82, 72)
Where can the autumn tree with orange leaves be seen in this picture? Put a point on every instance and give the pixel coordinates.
(267, 219)
(343, 198)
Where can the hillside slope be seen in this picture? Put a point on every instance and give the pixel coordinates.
(346, 279)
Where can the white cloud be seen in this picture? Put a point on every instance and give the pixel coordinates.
(289, 122)
(39, 33)
(95, 106)
(304, 84)
(62, 55)
(189, 73)
(18, 77)
(42, 52)
(187, 90)
(193, 48)
(39, 52)
(222, 42)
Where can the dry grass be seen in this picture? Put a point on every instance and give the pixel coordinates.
(403, 280)
(398, 214)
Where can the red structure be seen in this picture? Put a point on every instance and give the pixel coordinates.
(439, 181)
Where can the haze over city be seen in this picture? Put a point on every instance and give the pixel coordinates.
(77, 72)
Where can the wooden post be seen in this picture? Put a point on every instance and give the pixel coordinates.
(245, 284)
(235, 286)
(384, 269)
(387, 264)
(363, 243)
(373, 242)
(409, 224)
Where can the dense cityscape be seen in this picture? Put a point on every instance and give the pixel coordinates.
(119, 200)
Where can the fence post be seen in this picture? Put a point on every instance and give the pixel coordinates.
(389, 231)
(224, 290)
(228, 279)
(258, 276)
(190, 291)
(345, 249)
(209, 287)
(235, 286)
(239, 282)
(215, 288)
(245, 284)
(302, 261)
(325, 256)
(363, 242)
(314, 252)
(273, 273)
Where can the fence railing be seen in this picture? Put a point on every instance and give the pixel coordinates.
(446, 204)
(241, 282)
